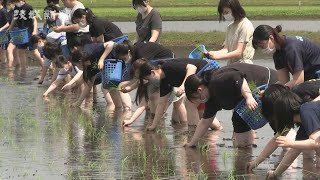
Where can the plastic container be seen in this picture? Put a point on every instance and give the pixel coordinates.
(197, 53)
(212, 64)
(112, 73)
(120, 39)
(253, 118)
(318, 74)
(3, 37)
(19, 36)
(44, 30)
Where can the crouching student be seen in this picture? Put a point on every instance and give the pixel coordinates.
(289, 111)
(65, 68)
(170, 74)
(224, 89)
(307, 91)
(50, 53)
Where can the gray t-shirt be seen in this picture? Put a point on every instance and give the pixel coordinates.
(150, 22)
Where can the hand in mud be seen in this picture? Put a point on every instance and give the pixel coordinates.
(250, 166)
(151, 128)
(189, 145)
(126, 123)
(45, 98)
(40, 81)
(271, 175)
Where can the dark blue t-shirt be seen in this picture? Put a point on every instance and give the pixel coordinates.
(310, 119)
(298, 53)
(24, 16)
(3, 17)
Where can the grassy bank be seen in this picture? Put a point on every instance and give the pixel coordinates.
(210, 13)
(213, 39)
(121, 10)
(182, 3)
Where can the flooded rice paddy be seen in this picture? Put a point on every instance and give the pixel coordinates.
(50, 140)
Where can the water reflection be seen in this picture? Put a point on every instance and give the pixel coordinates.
(50, 140)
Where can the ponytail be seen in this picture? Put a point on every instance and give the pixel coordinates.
(263, 32)
(83, 12)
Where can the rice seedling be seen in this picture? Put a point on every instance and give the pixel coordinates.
(204, 148)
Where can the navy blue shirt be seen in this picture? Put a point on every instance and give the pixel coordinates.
(24, 16)
(298, 53)
(310, 119)
(3, 17)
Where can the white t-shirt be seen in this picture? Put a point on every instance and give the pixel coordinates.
(55, 37)
(63, 73)
(79, 5)
(241, 32)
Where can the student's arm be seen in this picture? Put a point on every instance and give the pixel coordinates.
(269, 148)
(4, 27)
(247, 94)
(84, 93)
(35, 26)
(137, 113)
(312, 143)
(283, 75)
(287, 160)
(99, 39)
(71, 83)
(13, 22)
(129, 85)
(190, 69)
(108, 48)
(201, 129)
(136, 38)
(52, 87)
(297, 79)
(225, 55)
(161, 108)
(69, 28)
(154, 35)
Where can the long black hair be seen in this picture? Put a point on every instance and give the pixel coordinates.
(285, 108)
(81, 57)
(123, 48)
(268, 99)
(142, 88)
(263, 32)
(83, 12)
(193, 82)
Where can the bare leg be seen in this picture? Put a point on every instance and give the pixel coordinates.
(110, 108)
(23, 58)
(243, 139)
(181, 110)
(10, 57)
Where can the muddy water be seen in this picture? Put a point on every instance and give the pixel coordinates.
(50, 140)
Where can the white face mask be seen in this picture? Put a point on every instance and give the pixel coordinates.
(228, 17)
(202, 100)
(268, 50)
(82, 24)
(141, 9)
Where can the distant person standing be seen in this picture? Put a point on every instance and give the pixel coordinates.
(148, 22)
(238, 40)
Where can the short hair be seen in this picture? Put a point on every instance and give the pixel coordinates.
(51, 50)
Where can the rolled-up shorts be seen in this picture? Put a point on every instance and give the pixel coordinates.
(239, 125)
